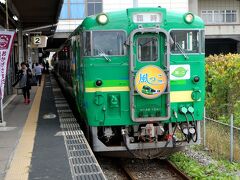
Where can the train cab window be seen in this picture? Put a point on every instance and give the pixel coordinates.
(108, 43)
(147, 48)
(185, 41)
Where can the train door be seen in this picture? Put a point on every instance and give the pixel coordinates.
(149, 82)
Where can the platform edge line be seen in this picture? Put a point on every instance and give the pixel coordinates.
(21, 162)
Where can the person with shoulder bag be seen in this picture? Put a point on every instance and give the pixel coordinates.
(23, 78)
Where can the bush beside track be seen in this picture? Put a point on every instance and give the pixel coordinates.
(222, 87)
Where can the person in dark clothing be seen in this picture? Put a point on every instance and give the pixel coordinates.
(47, 67)
(23, 78)
(44, 66)
(33, 65)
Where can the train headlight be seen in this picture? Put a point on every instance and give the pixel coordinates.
(192, 130)
(185, 130)
(98, 83)
(102, 19)
(189, 17)
(196, 79)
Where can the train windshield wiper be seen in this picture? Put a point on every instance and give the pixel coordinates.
(102, 54)
(181, 50)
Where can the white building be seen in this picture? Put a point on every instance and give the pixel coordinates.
(222, 17)
(222, 20)
(69, 20)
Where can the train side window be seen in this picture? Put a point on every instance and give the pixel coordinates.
(202, 41)
(87, 43)
(147, 48)
(187, 41)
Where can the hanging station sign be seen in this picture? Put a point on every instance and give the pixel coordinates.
(39, 41)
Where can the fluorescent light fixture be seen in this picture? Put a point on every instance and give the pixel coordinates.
(15, 18)
(3, 1)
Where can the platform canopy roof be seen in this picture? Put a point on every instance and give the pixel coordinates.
(36, 15)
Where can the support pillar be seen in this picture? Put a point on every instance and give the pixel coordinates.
(193, 6)
(238, 47)
(29, 49)
(135, 3)
(2, 122)
(20, 46)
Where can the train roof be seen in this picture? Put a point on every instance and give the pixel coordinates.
(123, 20)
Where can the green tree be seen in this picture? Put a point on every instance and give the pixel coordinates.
(223, 86)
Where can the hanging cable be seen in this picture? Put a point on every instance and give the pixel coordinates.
(125, 144)
(188, 134)
(184, 111)
(194, 124)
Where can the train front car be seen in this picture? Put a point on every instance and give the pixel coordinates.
(141, 81)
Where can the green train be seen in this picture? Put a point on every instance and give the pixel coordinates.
(137, 77)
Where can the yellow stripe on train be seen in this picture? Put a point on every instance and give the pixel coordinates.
(175, 96)
(108, 89)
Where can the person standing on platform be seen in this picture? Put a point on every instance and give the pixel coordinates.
(38, 73)
(44, 66)
(47, 67)
(23, 78)
(33, 65)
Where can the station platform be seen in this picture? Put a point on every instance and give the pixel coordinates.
(42, 140)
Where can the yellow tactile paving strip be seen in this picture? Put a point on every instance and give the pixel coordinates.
(20, 165)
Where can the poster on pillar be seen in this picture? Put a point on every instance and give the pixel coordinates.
(6, 43)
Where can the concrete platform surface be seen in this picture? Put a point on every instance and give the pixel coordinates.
(37, 141)
(15, 115)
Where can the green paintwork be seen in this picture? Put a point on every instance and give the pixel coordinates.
(108, 83)
(178, 82)
(113, 108)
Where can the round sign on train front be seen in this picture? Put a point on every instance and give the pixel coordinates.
(150, 81)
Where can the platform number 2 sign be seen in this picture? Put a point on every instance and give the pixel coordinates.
(37, 40)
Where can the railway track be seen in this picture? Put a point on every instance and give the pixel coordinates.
(151, 170)
(137, 169)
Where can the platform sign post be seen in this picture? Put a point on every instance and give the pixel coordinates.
(6, 43)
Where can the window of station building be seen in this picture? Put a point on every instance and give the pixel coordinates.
(147, 48)
(94, 7)
(108, 43)
(185, 41)
(219, 16)
(73, 9)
